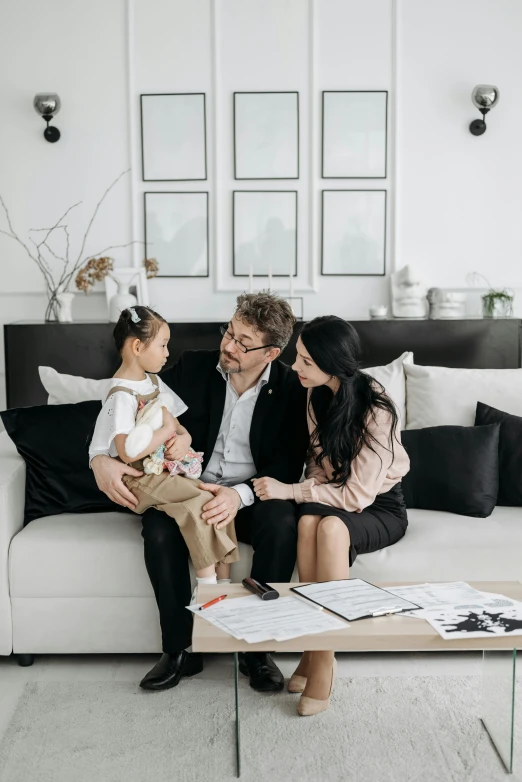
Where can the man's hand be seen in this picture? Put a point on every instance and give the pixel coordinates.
(108, 473)
(223, 508)
(270, 489)
(177, 447)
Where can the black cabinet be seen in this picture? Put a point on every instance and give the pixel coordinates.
(87, 348)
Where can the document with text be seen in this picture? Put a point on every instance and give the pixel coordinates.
(253, 620)
(354, 598)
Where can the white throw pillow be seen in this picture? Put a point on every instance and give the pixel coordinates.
(437, 396)
(70, 389)
(392, 378)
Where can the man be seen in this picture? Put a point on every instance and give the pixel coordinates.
(247, 413)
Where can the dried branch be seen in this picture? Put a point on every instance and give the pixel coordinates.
(41, 258)
(49, 281)
(102, 199)
(54, 287)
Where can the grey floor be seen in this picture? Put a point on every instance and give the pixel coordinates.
(132, 668)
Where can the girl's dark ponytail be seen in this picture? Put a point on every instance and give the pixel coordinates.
(139, 323)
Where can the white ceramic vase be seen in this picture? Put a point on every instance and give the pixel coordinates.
(120, 301)
(65, 301)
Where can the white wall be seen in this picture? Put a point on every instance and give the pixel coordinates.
(460, 199)
(453, 199)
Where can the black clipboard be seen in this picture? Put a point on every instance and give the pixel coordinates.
(387, 609)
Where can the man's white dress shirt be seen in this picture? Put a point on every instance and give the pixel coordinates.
(231, 461)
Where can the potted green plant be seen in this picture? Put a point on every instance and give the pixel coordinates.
(497, 304)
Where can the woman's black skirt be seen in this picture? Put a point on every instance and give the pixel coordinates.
(379, 525)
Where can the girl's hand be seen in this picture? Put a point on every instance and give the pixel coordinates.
(178, 447)
(270, 489)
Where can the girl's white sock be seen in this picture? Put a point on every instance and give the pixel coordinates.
(207, 580)
(199, 582)
(224, 581)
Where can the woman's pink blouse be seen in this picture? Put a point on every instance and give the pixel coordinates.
(373, 472)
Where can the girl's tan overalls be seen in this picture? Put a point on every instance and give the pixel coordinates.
(182, 500)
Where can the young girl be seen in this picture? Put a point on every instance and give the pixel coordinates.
(141, 337)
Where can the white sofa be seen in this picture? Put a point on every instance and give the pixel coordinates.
(78, 583)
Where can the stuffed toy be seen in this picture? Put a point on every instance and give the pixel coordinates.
(148, 420)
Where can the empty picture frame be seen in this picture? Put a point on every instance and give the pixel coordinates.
(265, 232)
(355, 134)
(266, 135)
(296, 302)
(176, 233)
(173, 137)
(354, 232)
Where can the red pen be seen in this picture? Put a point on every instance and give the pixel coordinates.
(212, 602)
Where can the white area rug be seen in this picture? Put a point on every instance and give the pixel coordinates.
(382, 729)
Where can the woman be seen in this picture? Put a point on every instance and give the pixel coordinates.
(351, 499)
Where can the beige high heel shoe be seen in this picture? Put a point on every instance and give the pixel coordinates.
(297, 683)
(307, 707)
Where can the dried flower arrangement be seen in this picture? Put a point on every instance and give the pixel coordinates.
(97, 269)
(45, 255)
(151, 267)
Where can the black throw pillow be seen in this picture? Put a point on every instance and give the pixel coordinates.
(509, 452)
(452, 468)
(54, 442)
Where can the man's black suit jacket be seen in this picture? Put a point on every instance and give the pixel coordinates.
(278, 434)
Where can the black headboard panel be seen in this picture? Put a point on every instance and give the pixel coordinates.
(87, 348)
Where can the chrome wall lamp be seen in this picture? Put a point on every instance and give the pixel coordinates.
(47, 104)
(484, 97)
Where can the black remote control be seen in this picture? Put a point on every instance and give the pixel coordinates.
(263, 591)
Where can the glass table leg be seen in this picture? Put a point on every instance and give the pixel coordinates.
(236, 686)
(498, 701)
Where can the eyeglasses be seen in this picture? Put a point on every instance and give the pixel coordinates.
(243, 348)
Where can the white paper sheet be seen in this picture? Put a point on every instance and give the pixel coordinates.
(354, 598)
(475, 621)
(455, 594)
(254, 620)
(458, 610)
(434, 595)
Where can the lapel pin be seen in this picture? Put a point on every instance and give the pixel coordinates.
(269, 390)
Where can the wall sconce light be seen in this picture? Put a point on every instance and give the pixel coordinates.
(484, 97)
(47, 104)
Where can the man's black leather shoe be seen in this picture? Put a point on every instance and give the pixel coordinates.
(170, 669)
(264, 674)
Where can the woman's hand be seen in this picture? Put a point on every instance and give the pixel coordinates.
(177, 447)
(270, 489)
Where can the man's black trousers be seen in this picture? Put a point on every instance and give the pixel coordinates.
(270, 527)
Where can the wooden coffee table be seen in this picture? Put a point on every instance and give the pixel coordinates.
(394, 633)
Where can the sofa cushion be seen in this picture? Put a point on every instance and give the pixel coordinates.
(70, 389)
(87, 555)
(437, 395)
(392, 377)
(101, 555)
(509, 452)
(53, 441)
(440, 546)
(452, 468)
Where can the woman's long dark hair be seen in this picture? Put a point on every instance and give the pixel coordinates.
(341, 419)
